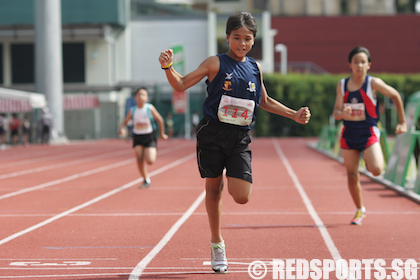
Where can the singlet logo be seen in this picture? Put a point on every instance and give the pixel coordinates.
(227, 86)
(251, 87)
(354, 100)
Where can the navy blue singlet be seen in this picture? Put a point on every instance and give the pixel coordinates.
(363, 95)
(237, 79)
(360, 135)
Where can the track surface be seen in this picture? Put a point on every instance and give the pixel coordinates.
(76, 212)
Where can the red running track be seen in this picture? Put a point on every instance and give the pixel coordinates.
(76, 212)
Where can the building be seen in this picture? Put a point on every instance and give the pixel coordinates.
(111, 47)
(95, 48)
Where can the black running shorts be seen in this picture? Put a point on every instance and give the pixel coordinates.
(221, 146)
(145, 140)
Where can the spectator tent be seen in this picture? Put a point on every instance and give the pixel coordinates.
(20, 101)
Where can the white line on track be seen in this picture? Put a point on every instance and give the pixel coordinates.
(68, 178)
(79, 175)
(46, 158)
(63, 276)
(138, 270)
(335, 254)
(312, 212)
(48, 151)
(99, 198)
(59, 165)
(204, 213)
(157, 214)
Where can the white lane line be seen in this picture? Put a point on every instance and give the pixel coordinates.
(24, 156)
(79, 175)
(69, 163)
(99, 198)
(78, 161)
(66, 259)
(46, 158)
(138, 270)
(312, 212)
(65, 276)
(68, 178)
(280, 213)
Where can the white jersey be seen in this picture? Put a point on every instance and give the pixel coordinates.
(141, 121)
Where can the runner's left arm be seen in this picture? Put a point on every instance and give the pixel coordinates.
(160, 122)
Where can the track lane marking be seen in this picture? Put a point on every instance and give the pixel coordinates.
(138, 270)
(68, 178)
(80, 175)
(26, 154)
(99, 198)
(59, 165)
(77, 161)
(335, 254)
(204, 213)
(46, 158)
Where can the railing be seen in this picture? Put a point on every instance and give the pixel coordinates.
(307, 67)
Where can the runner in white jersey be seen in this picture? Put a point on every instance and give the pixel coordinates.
(144, 139)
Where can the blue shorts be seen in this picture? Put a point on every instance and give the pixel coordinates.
(359, 138)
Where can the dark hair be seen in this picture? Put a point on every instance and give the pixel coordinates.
(240, 19)
(357, 50)
(137, 90)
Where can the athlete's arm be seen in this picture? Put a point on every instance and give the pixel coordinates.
(340, 111)
(271, 105)
(159, 121)
(124, 123)
(380, 86)
(209, 67)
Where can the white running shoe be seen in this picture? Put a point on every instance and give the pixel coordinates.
(146, 184)
(219, 262)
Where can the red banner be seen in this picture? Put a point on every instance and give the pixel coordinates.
(70, 102)
(80, 101)
(178, 102)
(14, 106)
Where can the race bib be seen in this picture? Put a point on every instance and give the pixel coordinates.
(141, 126)
(357, 111)
(236, 111)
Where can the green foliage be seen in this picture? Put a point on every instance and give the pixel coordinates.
(318, 93)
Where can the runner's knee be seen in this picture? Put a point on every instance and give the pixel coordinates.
(240, 190)
(352, 177)
(242, 198)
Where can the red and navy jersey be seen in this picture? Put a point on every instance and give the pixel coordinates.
(236, 79)
(363, 95)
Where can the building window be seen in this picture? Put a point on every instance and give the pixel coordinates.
(73, 62)
(22, 63)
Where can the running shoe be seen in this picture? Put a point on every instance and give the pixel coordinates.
(218, 258)
(357, 220)
(145, 185)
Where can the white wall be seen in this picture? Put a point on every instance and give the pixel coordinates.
(149, 38)
(98, 62)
